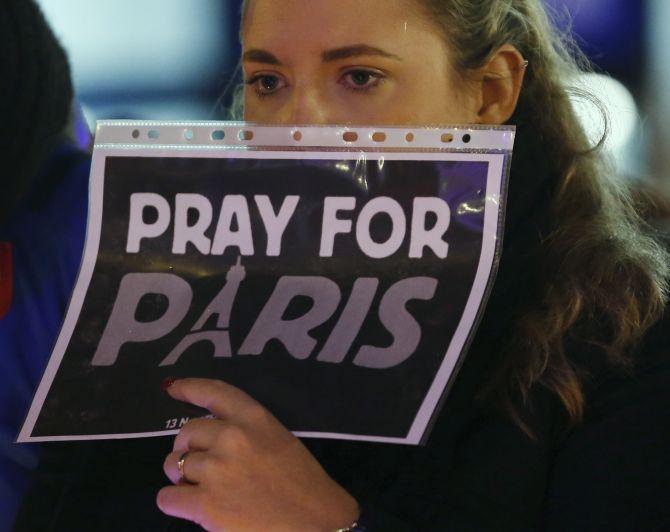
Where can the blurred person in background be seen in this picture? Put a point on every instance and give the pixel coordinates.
(44, 178)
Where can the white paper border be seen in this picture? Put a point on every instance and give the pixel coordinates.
(496, 174)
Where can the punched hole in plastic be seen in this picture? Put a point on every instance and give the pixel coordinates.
(218, 134)
(350, 136)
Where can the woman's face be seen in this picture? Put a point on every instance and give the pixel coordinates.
(349, 62)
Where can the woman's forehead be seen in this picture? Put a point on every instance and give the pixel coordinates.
(332, 18)
(328, 23)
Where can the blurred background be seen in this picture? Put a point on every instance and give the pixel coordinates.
(171, 59)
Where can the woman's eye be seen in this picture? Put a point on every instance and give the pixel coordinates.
(266, 84)
(361, 80)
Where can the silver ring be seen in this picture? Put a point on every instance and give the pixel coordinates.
(180, 467)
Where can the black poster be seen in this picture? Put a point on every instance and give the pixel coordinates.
(339, 289)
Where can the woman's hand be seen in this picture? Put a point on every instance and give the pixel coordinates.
(245, 471)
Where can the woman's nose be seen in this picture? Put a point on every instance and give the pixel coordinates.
(308, 106)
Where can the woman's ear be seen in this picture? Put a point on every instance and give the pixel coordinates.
(501, 80)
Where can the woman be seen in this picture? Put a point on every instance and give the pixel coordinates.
(555, 410)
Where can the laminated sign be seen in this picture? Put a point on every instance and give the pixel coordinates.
(335, 274)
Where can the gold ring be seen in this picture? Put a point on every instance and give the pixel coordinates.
(180, 467)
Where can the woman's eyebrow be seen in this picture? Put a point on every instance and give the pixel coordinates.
(260, 56)
(256, 55)
(356, 50)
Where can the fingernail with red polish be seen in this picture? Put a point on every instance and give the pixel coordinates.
(167, 383)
